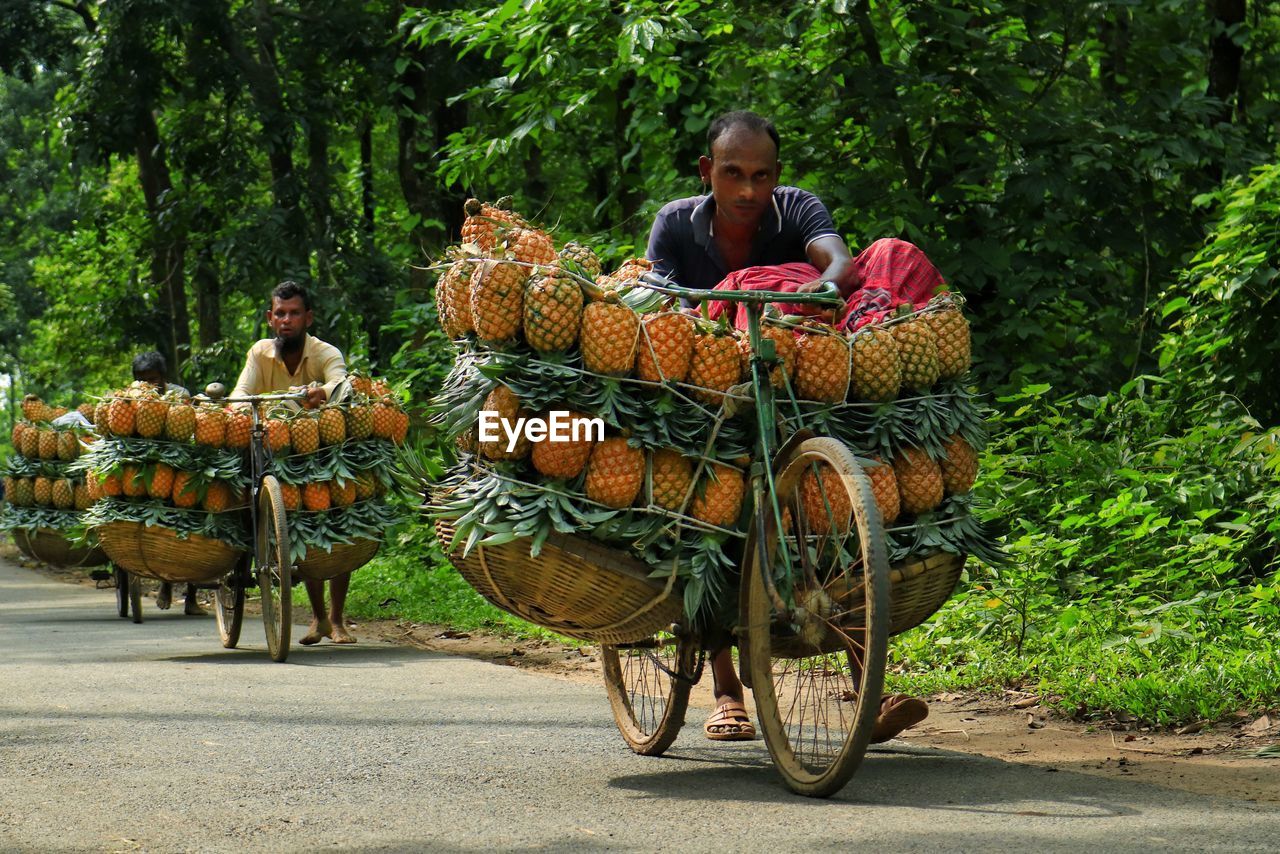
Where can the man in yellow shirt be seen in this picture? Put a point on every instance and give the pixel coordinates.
(294, 358)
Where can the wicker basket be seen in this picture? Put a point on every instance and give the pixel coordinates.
(918, 588)
(318, 564)
(156, 552)
(54, 548)
(576, 587)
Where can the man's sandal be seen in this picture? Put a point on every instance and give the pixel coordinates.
(729, 722)
(898, 712)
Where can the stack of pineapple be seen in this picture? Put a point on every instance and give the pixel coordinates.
(541, 330)
(43, 489)
(336, 466)
(170, 461)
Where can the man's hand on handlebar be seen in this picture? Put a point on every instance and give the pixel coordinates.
(316, 397)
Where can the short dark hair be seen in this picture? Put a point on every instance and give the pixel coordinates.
(744, 119)
(152, 360)
(288, 289)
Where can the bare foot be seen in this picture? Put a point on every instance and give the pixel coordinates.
(193, 609)
(340, 633)
(317, 631)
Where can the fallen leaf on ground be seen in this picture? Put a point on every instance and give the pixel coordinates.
(1027, 702)
(1191, 728)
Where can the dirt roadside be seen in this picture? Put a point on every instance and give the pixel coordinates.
(1215, 759)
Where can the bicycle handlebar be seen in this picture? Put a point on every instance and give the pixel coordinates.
(829, 296)
(259, 398)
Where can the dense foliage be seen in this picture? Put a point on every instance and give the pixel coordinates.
(1099, 179)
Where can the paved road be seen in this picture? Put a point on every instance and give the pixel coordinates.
(151, 737)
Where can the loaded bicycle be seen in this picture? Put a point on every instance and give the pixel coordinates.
(267, 566)
(817, 596)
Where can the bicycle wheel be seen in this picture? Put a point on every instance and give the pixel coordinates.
(817, 668)
(135, 596)
(228, 606)
(122, 592)
(648, 686)
(275, 573)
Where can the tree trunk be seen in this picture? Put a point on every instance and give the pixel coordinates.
(208, 287)
(167, 250)
(883, 77)
(1225, 56)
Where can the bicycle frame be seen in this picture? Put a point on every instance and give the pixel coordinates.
(259, 450)
(763, 357)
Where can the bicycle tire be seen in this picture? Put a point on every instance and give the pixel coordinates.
(817, 672)
(648, 685)
(273, 569)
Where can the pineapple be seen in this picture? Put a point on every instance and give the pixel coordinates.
(180, 423)
(31, 443)
(362, 385)
(82, 497)
(951, 330)
(399, 425)
(497, 300)
(56, 412)
(822, 366)
(672, 474)
(877, 375)
(359, 417)
(529, 246)
(504, 402)
(315, 496)
(34, 409)
(884, 485)
(112, 485)
(586, 261)
(68, 447)
(631, 270)
(86, 411)
(239, 426)
(959, 466)
(10, 491)
(304, 433)
(47, 445)
(183, 492)
(333, 426)
(383, 419)
(24, 491)
(552, 311)
(615, 473)
(784, 348)
(917, 350)
(100, 420)
(160, 486)
(120, 417)
(43, 491)
(149, 415)
(366, 486)
(217, 497)
(211, 426)
(826, 503)
(342, 493)
(132, 483)
(919, 481)
(291, 495)
(561, 459)
(62, 494)
(483, 220)
(453, 299)
(665, 352)
(610, 331)
(277, 434)
(19, 427)
(715, 366)
(720, 494)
